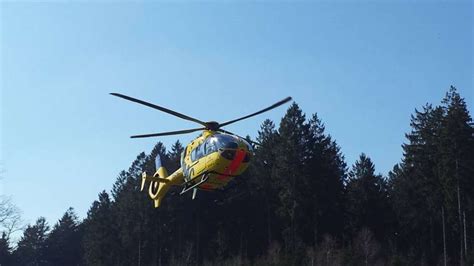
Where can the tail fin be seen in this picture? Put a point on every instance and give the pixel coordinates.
(160, 182)
(157, 162)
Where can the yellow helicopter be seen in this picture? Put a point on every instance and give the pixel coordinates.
(208, 162)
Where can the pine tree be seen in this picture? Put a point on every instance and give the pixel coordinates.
(31, 249)
(263, 181)
(175, 155)
(326, 170)
(289, 174)
(416, 191)
(434, 181)
(457, 167)
(127, 208)
(101, 240)
(64, 241)
(5, 250)
(367, 200)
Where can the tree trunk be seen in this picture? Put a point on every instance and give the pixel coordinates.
(269, 229)
(139, 251)
(197, 236)
(465, 235)
(444, 236)
(461, 249)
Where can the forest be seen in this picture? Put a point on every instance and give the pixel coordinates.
(299, 203)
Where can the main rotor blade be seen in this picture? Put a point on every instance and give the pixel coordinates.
(186, 131)
(230, 133)
(257, 113)
(166, 110)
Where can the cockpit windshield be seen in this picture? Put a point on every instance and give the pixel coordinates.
(223, 141)
(220, 141)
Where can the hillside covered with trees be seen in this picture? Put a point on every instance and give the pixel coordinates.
(299, 203)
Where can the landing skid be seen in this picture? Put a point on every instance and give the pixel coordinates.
(189, 185)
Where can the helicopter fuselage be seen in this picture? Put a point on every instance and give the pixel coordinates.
(217, 157)
(208, 163)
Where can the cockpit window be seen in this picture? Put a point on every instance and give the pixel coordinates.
(221, 141)
(211, 145)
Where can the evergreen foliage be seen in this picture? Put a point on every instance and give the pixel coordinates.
(367, 200)
(32, 246)
(64, 241)
(100, 241)
(6, 257)
(297, 204)
(434, 182)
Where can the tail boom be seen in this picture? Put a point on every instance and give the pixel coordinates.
(160, 182)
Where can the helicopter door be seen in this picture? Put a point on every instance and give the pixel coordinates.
(198, 165)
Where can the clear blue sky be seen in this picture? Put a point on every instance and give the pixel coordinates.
(363, 68)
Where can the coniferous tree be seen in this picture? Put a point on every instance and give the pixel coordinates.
(291, 156)
(367, 200)
(127, 207)
(5, 250)
(430, 185)
(64, 241)
(31, 249)
(175, 155)
(457, 168)
(264, 182)
(327, 173)
(416, 188)
(100, 241)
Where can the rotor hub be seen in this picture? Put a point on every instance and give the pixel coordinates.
(212, 125)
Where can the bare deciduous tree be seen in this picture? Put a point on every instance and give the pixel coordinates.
(327, 253)
(10, 216)
(366, 246)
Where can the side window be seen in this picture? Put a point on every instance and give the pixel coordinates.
(193, 155)
(202, 150)
(197, 153)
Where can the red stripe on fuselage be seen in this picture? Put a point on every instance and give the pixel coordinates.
(234, 165)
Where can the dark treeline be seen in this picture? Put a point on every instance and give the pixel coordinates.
(298, 204)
